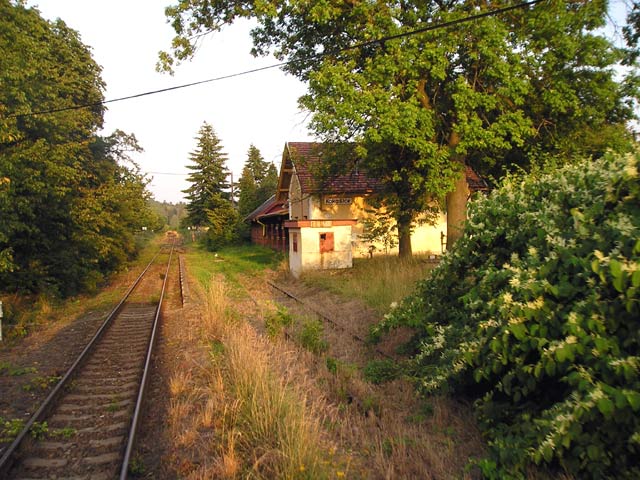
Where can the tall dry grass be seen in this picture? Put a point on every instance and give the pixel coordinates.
(262, 406)
(260, 424)
(378, 281)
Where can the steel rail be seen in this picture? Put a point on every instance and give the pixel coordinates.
(324, 316)
(7, 460)
(143, 382)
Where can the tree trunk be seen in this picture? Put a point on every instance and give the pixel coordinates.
(457, 198)
(457, 210)
(404, 238)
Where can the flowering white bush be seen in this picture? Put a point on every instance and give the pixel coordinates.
(536, 313)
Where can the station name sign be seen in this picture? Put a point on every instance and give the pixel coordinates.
(338, 201)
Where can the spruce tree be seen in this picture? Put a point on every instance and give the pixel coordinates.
(208, 177)
(257, 183)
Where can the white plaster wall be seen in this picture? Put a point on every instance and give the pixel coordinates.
(295, 258)
(312, 259)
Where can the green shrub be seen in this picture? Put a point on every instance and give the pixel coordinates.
(310, 336)
(276, 322)
(9, 429)
(380, 371)
(536, 314)
(332, 365)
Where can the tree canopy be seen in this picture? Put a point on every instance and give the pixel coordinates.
(502, 90)
(70, 200)
(257, 183)
(208, 176)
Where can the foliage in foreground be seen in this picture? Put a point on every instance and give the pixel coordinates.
(71, 201)
(536, 314)
(497, 91)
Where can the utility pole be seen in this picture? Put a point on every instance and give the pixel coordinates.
(233, 198)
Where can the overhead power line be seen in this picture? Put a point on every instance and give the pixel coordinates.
(166, 173)
(428, 28)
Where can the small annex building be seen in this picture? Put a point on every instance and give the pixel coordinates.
(267, 224)
(320, 225)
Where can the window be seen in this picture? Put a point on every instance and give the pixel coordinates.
(326, 242)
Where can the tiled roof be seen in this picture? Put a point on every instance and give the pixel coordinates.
(307, 158)
(270, 207)
(476, 182)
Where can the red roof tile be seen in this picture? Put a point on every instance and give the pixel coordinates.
(269, 208)
(307, 158)
(476, 182)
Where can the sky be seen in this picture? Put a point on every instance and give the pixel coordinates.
(261, 108)
(125, 37)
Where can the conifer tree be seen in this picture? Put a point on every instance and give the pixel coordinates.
(257, 183)
(208, 177)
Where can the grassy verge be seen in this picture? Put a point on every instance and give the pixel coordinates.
(378, 281)
(231, 402)
(296, 401)
(230, 262)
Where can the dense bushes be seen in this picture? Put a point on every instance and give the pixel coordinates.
(536, 315)
(71, 202)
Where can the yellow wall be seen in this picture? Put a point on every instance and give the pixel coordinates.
(320, 209)
(425, 238)
(347, 240)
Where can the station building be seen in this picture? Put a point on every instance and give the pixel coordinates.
(320, 223)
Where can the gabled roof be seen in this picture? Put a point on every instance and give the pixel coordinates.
(306, 160)
(269, 208)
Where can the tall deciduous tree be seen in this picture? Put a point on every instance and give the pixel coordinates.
(208, 177)
(501, 90)
(68, 205)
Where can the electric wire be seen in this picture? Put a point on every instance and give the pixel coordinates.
(428, 28)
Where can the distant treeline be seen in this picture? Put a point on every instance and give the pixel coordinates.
(170, 213)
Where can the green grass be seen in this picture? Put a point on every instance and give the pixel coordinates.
(310, 336)
(379, 281)
(15, 371)
(230, 262)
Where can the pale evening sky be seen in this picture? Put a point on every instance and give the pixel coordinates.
(125, 37)
(260, 108)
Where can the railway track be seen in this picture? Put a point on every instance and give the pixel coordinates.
(322, 315)
(86, 427)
